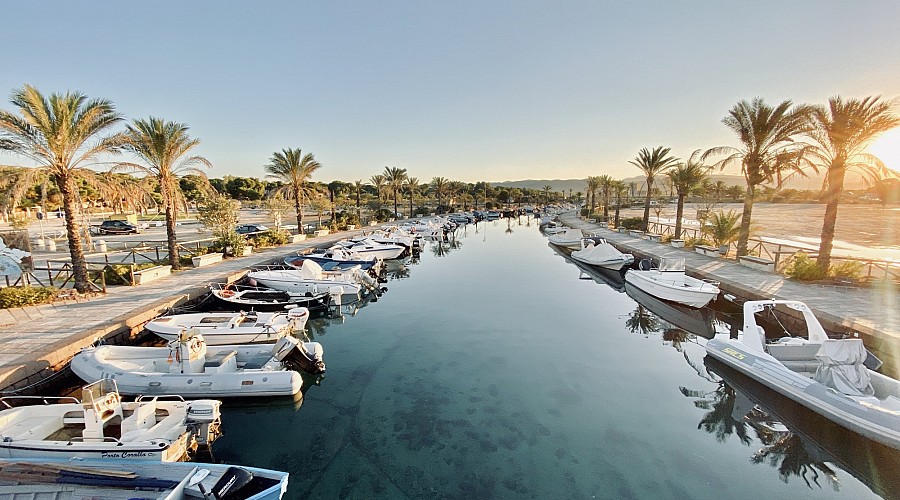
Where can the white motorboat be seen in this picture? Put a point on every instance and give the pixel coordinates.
(101, 426)
(221, 328)
(569, 238)
(828, 376)
(310, 278)
(240, 297)
(190, 368)
(369, 247)
(669, 282)
(601, 254)
(95, 479)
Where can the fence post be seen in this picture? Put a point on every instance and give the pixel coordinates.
(103, 279)
(131, 271)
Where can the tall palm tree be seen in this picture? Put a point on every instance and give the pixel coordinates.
(840, 135)
(685, 178)
(394, 178)
(439, 185)
(293, 168)
(652, 163)
(593, 184)
(605, 187)
(61, 134)
(547, 190)
(412, 187)
(163, 148)
(357, 188)
(378, 181)
(619, 188)
(767, 147)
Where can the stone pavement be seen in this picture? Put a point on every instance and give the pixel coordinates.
(36, 341)
(872, 312)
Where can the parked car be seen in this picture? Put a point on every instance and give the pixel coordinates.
(117, 227)
(250, 228)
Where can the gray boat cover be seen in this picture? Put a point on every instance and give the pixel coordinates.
(841, 367)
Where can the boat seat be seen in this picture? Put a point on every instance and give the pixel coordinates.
(31, 428)
(143, 418)
(801, 366)
(219, 359)
(258, 361)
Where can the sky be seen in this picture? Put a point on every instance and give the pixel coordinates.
(467, 90)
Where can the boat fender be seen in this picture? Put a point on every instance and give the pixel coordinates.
(645, 265)
(227, 293)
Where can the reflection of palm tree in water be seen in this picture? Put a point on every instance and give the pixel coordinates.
(442, 248)
(641, 320)
(787, 452)
(509, 229)
(677, 337)
(719, 421)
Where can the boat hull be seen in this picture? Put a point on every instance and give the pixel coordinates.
(880, 425)
(693, 297)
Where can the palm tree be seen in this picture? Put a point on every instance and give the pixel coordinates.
(293, 168)
(163, 148)
(686, 177)
(619, 188)
(412, 187)
(394, 178)
(767, 148)
(439, 186)
(593, 184)
(547, 190)
(55, 132)
(652, 163)
(840, 134)
(605, 186)
(357, 187)
(378, 181)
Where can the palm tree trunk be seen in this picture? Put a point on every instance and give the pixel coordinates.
(744, 235)
(395, 204)
(410, 203)
(170, 228)
(647, 207)
(76, 252)
(299, 208)
(832, 199)
(679, 212)
(606, 205)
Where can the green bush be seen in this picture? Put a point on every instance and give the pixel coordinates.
(344, 219)
(692, 242)
(632, 223)
(270, 239)
(230, 244)
(846, 269)
(26, 296)
(584, 212)
(120, 274)
(382, 215)
(802, 268)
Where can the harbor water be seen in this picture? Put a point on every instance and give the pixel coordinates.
(495, 368)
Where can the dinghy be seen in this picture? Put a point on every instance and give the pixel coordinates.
(190, 368)
(95, 479)
(311, 278)
(101, 426)
(241, 297)
(221, 328)
(568, 238)
(669, 282)
(601, 254)
(386, 250)
(828, 376)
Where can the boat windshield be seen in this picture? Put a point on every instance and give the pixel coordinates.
(97, 391)
(671, 265)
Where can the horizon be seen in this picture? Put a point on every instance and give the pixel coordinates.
(468, 91)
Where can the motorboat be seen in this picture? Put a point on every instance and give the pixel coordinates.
(699, 322)
(190, 368)
(243, 297)
(568, 238)
(337, 258)
(670, 282)
(222, 328)
(311, 278)
(828, 376)
(95, 479)
(601, 254)
(102, 426)
(369, 247)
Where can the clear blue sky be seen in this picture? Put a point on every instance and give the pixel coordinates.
(468, 90)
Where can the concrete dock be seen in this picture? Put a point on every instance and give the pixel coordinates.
(35, 342)
(873, 313)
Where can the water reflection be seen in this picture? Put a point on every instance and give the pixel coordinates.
(795, 441)
(675, 316)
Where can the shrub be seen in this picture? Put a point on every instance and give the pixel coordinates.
(692, 242)
(803, 268)
(120, 274)
(344, 219)
(230, 244)
(723, 227)
(26, 296)
(18, 221)
(584, 212)
(632, 223)
(382, 215)
(270, 239)
(846, 269)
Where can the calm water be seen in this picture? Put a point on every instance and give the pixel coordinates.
(492, 371)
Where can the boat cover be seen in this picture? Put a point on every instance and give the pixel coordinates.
(310, 270)
(602, 252)
(841, 367)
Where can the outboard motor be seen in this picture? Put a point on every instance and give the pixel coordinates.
(297, 356)
(229, 486)
(205, 416)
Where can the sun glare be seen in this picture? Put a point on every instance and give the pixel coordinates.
(887, 148)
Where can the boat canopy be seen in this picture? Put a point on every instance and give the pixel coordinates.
(841, 367)
(666, 264)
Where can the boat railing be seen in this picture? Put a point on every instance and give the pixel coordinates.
(36, 400)
(159, 397)
(272, 267)
(82, 439)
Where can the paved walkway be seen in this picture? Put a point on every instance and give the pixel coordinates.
(873, 312)
(36, 341)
